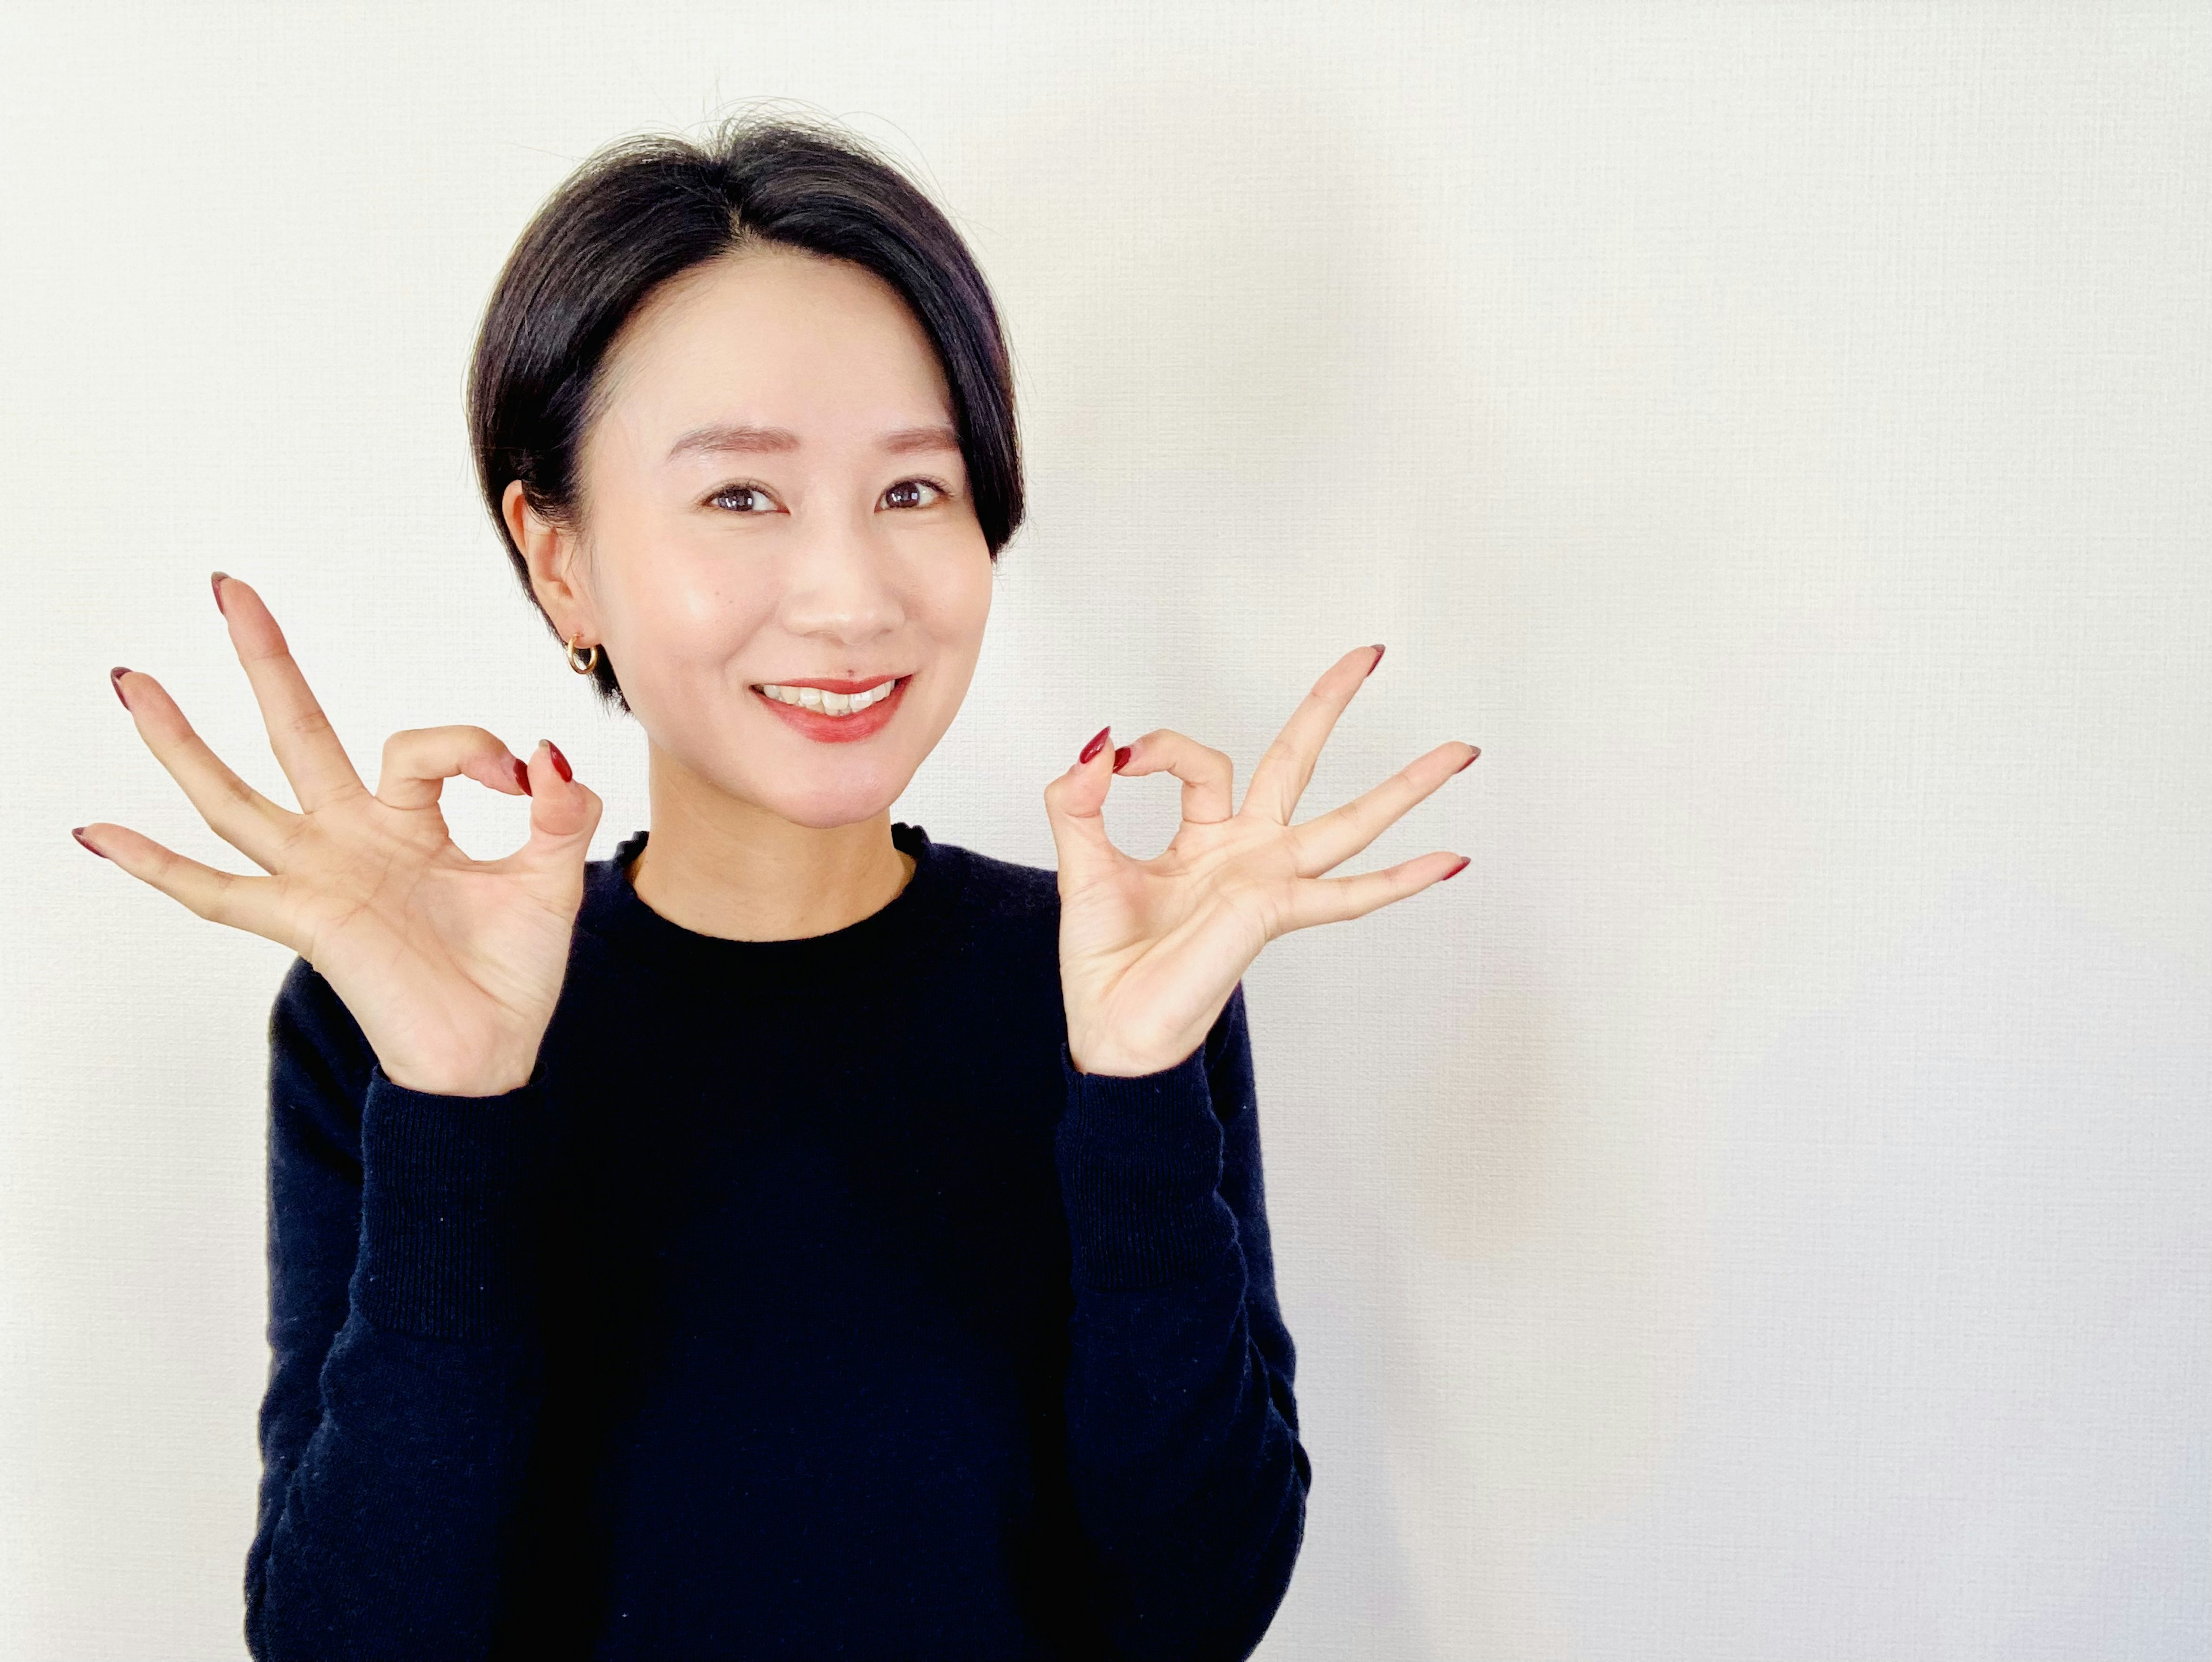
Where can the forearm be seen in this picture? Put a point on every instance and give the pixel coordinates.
(384, 1530)
(1184, 1452)
(385, 1536)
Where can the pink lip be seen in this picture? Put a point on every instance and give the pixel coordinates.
(838, 729)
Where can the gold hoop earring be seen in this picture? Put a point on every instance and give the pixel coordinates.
(589, 664)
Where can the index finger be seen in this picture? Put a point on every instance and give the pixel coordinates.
(306, 744)
(1281, 777)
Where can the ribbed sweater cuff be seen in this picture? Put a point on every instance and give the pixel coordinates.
(1141, 1174)
(448, 1187)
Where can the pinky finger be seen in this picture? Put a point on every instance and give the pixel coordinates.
(1337, 899)
(243, 902)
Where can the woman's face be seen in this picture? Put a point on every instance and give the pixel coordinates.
(774, 496)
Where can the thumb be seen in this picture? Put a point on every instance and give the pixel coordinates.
(563, 813)
(1075, 804)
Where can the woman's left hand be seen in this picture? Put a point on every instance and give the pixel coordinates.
(1150, 950)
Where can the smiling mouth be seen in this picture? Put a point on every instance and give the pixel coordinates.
(824, 703)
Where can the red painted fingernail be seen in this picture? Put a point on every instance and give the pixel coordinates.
(77, 832)
(1379, 658)
(1097, 740)
(215, 582)
(522, 776)
(1121, 758)
(115, 679)
(1464, 862)
(560, 762)
(1462, 767)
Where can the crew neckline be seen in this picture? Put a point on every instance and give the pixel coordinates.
(614, 910)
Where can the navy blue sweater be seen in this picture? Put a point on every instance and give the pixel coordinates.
(806, 1302)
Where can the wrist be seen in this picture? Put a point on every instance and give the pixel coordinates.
(500, 1081)
(1125, 1064)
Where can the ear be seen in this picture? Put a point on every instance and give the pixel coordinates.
(548, 550)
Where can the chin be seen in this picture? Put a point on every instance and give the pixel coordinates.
(831, 819)
(835, 802)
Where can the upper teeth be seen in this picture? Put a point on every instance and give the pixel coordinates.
(830, 703)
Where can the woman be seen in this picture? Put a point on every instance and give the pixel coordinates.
(791, 1236)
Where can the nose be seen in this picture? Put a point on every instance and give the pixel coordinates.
(843, 584)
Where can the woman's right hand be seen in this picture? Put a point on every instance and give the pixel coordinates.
(451, 966)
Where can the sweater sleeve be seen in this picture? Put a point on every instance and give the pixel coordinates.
(406, 1364)
(1182, 1431)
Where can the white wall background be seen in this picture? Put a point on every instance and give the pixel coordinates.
(1760, 1209)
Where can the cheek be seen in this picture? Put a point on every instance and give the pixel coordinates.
(683, 611)
(956, 602)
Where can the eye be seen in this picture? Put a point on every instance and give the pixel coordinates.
(753, 496)
(904, 486)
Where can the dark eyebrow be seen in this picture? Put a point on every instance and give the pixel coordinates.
(733, 439)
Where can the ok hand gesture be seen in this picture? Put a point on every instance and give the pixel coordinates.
(1150, 950)
(451, 966)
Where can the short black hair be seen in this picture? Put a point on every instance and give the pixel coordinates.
(645, 209)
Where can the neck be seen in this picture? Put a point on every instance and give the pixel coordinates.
(720, 866)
